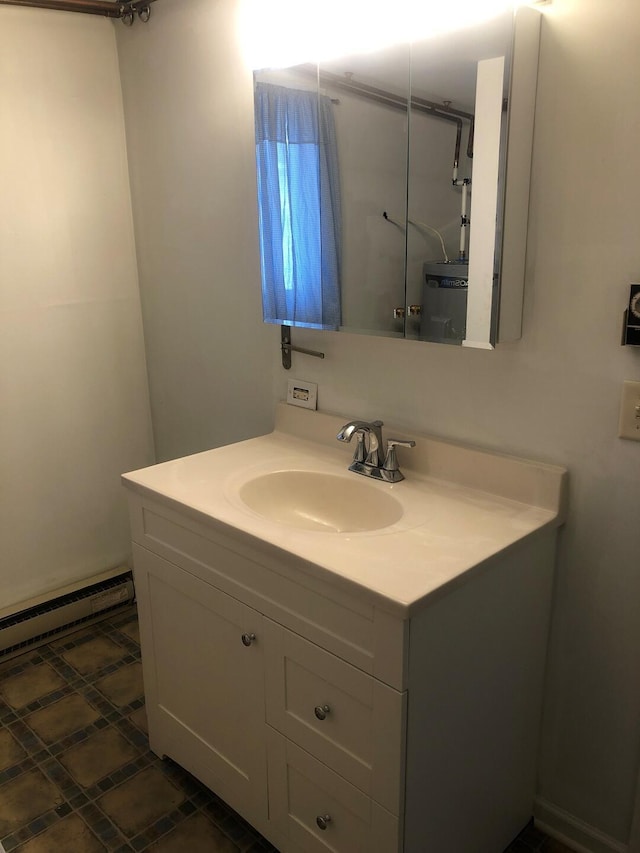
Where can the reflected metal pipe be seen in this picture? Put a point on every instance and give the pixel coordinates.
(450, 114)
(381, 96)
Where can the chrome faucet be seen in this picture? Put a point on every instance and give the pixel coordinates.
(369, 453)
(371, 429)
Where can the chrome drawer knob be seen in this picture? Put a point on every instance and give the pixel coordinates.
(323, 820)
(321, 711)
(247, 639)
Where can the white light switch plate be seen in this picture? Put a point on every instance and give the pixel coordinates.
(630, 411)
(302, 393)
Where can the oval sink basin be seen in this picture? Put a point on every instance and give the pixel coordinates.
(312, 500)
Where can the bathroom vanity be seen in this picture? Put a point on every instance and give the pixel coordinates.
(347, 689)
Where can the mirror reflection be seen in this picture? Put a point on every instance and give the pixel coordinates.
(380, 185)
(456, 181)
(370, 94)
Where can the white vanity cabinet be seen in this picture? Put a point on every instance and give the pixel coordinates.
(354, 692)
(254, 709)
(327, 721)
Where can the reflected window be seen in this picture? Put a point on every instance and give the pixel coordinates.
(298, 206)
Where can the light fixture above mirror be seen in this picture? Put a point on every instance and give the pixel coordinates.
(284, 33)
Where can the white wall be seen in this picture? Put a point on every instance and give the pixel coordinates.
(189, 117)
(72, 369)
(552, 396)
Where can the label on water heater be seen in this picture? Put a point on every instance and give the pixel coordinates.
(453, 282)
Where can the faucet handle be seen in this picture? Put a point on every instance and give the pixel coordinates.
(391, 462)
(360, 453)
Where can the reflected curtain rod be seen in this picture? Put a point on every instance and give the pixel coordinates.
(107, 8)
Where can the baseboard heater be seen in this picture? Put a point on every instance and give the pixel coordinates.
(34, 625)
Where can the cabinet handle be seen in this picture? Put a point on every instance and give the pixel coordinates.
(323, 820)
(321, 711)
(247, 639)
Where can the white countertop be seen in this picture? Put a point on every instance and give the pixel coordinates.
(449, 527)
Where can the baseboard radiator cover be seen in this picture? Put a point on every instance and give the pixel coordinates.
(572, 831)
(34, 625)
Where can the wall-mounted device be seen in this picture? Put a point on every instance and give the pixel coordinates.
(302, 393)
(631, 325)
(630, 411)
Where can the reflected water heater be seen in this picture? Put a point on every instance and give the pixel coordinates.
(443, 316)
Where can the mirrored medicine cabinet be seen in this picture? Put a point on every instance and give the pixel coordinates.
(394, 186)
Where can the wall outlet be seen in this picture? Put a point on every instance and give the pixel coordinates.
(630, 411)
(301, 393)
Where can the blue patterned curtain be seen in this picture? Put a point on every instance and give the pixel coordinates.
(299, 207)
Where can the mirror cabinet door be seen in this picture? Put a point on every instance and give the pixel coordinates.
(456, 178)
(398, 207)
(369, 93)
(441, 140)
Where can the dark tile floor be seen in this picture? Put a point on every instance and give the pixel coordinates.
(76, 773)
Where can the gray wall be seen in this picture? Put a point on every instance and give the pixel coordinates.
(552, 396)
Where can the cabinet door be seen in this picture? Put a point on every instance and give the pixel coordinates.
(204, 681)
(345, 717)
(318, 811)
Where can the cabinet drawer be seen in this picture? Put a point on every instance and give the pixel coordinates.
(341, 715)
(304, 796)
(334, 618)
